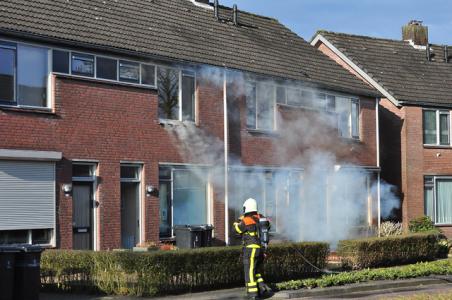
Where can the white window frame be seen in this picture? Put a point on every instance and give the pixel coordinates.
(435, 178)
(438, 113)
(49, 100)
(180, 73)
(256, 123)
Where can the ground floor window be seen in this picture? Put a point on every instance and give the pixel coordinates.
(438, 199)
(183, 197)
(272, 189)
(35, 236)
(27, 202)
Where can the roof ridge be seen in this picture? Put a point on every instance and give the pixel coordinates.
(357, 35)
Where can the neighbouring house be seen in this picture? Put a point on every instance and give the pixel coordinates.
(415, 78)
(121, 119)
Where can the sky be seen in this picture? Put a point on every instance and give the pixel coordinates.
(378, 18)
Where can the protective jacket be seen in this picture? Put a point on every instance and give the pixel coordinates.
(248, 228)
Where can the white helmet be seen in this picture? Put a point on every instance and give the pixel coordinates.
(250, 205)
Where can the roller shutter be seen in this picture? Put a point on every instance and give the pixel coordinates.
(27, 195)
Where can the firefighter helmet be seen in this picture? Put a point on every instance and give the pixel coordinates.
(250, 205)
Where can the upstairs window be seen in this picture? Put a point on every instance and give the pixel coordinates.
(106, 68)
(83, 64)
(260, 103)
(177, 91)
(347, 110)
(436, 127)
(103, 68)
(129, 72)
(24, 75)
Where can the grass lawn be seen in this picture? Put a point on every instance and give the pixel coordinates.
(439, 267)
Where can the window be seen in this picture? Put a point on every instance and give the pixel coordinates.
(281, 95)
(130, 172)
(32, 86)
(60, 62)
(148, 74)
(23, 74)
(260, 104)
(7, 74)
(438, 199)
(83, 170)
(129, 72)
(347, 111)
(27, 198)
(168, 88)
(82, 64)
(294, 97)
(188, 96)
(183, 197)
(106, 68)
(436, 124)
(177, 94)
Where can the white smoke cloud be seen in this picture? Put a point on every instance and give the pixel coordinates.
(318, 194)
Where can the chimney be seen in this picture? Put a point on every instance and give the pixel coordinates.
(203, 1)
(416, 32)
(235, 13)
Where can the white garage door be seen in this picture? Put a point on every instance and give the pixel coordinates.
(27, 195)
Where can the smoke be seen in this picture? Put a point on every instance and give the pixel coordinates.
(318, 192)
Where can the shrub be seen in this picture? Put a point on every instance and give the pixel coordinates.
(388, 251)
(390, 229)
(422, 224)
(440, 267)
(164, 272)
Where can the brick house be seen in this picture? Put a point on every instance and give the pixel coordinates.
(415, 80)
(112, 118)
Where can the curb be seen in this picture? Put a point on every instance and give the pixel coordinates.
(364, 287)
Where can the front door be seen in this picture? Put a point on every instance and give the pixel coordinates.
(130, 222)
(82, 216)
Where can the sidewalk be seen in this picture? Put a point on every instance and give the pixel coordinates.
(330, 292)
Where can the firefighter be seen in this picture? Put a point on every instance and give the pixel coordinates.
(248, 226)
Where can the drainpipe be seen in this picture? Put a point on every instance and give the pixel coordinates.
(378, 162)
(226, 160)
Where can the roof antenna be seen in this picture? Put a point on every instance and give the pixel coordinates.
(446, 54)
(215, 9)
(427, 52)
(235, 15)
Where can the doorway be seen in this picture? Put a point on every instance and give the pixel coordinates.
(83, 206)
(130, 206)
(82, 216)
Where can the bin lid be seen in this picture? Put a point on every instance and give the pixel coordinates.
(10, 249)
(21, 248)
(193, 227)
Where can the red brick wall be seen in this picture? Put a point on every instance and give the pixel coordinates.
(112, 123)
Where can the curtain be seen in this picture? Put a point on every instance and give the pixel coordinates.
(444, 201)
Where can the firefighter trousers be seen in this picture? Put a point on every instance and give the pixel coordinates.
(253, 259)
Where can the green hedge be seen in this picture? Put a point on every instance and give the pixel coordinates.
(389, 251)
(165, 272)
(440, 267)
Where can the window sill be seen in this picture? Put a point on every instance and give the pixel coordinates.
(351, 140)
(174, 123)
(27, 109)
(262, 132)
(437, 146)
(106, 81)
